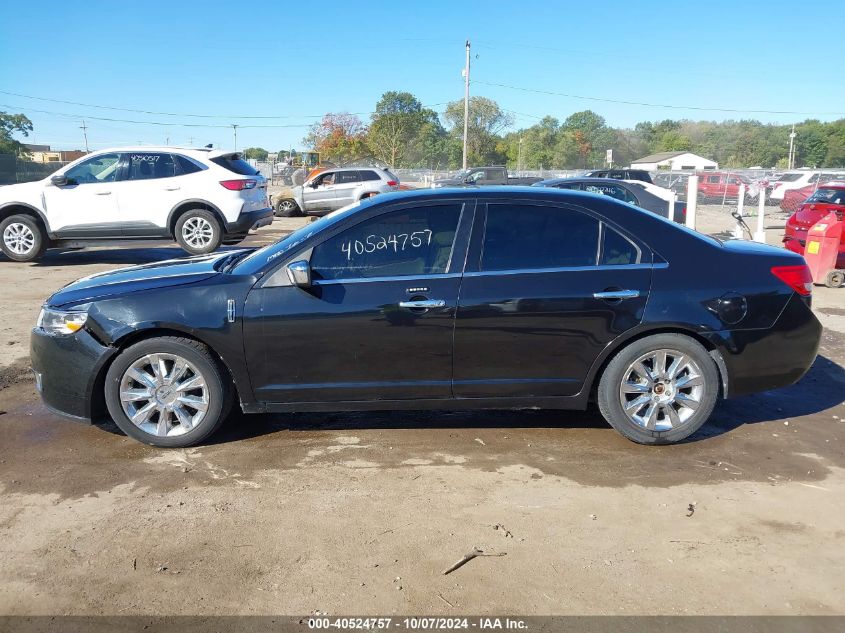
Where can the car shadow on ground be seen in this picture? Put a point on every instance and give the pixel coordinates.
(820, 390)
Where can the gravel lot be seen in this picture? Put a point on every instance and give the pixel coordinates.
(351, 513)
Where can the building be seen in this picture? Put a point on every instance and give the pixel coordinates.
(674, 161)
(43, 154)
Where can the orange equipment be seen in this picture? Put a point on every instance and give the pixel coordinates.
(822, 249)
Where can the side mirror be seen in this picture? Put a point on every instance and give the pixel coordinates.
(299, 274)
(313, 184)
(60, 180)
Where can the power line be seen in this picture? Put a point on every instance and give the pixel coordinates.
(188, 115)
(652, 105)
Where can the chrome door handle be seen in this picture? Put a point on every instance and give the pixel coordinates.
(617, 294)
(104, 193)
(424, 304)
(172, 188)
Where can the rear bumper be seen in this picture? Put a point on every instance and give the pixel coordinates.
(67, 369)
(759, 360)
(249, 220)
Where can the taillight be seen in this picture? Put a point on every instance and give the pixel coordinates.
(392, 183)
(239, 185)
(796, 277)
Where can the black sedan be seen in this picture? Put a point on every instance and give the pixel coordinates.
(446, 299)
(630, 192)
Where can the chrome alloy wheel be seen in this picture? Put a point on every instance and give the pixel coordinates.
(19, 238)
(287, 205)
(661, 390)
(197, 232)
(164, 395)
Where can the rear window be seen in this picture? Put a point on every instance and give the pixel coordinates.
(789, 177)
(828, 196)
(235, 164)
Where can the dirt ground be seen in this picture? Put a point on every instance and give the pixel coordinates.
(361, 513)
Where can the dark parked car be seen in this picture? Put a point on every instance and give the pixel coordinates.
(620, 174)
(624, 191)
(454, 299)
(482, 176)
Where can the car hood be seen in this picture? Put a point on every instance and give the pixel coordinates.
(173, 272)
(21, 192)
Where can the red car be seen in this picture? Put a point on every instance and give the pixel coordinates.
(794, 198)
(828, 197)
(717, 185)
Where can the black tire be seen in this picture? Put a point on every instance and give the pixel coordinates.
(219, 390)
(610, 385)
(206, 239)
(287, 208)
(22, 239)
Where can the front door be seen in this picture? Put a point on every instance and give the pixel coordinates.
(377, 322)
(319, 194)
(87, 205)
(539, 303)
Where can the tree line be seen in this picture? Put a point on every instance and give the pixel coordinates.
(405, 134)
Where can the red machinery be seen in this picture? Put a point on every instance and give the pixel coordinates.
(822, 249)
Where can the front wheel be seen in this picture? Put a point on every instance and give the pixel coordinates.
(660, 389)
(287, 208)
(167, 391)
(22, 239)
(198, 232)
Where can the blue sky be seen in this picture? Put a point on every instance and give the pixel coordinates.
(298, 60)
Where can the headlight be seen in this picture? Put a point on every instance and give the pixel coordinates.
(62, 321)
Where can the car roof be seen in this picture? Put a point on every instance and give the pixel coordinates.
(197, 152)
(333, 169)
(577, 179)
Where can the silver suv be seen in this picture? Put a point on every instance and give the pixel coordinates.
(335, 188)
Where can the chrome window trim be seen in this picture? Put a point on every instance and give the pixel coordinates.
(563, 269)
(358, 280)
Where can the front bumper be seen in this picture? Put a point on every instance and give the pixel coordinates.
(249, 220)
(68, 369)
(763, 359)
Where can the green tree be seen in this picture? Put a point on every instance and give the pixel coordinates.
(486, 121)
(587, 134)
(256, 153)
(338, 137)
(13, 124)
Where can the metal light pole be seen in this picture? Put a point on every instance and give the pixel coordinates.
(235, 130)
(466, 105)
(519, 158)
(792, 136)
(84, 129)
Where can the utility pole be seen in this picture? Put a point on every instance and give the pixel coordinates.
(235, 129)
(791, 160)
(466, 105)
(519, 158)
(84, 129)
(191, 141)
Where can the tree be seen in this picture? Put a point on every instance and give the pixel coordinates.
(396, 126)
(338, 137)
(257, 153)
(13, 124)
(486, 121)
(589, 135)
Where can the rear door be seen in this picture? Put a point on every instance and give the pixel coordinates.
(346, 187)
(539, 304)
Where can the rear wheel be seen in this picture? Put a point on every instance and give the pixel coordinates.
(287, 208)
(660, 389)
(22, 238)
(198, 231)
(835, 279)
(168, 392)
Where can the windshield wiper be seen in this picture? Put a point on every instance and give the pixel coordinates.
(228, 262)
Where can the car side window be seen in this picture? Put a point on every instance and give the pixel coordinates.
(345, 177)
(186, 165)
(367, 174)
(617, 250)
(102, 168)
(149, 165)
(713, 179)
(407, 242)
(548, 237)
(325, 179)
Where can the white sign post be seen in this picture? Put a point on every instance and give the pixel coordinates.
(760, 233)
(692, 199)
(609, 158)
(740, 206)
(672, 199)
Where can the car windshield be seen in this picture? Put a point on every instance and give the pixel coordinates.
(461, 174)
(789, 177)
(266, 254)
(828, 196)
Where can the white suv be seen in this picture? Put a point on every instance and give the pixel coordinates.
(199, 197)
